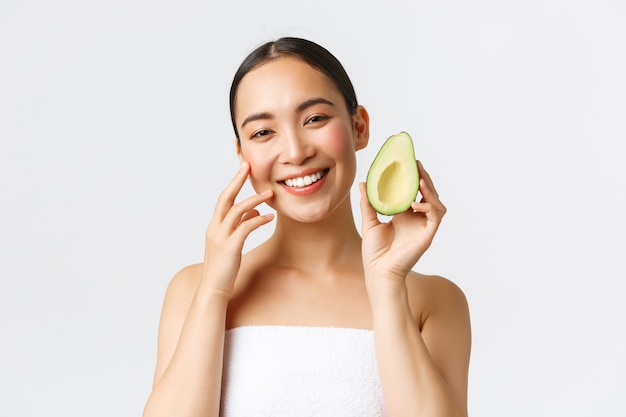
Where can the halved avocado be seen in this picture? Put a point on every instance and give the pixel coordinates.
(393, 180)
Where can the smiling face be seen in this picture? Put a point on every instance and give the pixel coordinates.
(299, 138)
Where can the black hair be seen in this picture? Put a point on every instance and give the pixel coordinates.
(308, 51)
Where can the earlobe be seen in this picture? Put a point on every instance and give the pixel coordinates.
(361, 127)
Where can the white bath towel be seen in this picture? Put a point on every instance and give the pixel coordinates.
(291, 371)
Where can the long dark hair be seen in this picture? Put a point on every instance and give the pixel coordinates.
(310, 52)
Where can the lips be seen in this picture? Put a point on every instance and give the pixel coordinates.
(305, 180)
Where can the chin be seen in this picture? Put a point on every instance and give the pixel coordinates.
(307, 215)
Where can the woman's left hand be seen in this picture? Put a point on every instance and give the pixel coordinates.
(391, 249)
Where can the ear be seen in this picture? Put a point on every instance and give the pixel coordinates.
(238, 149)
(361, 127)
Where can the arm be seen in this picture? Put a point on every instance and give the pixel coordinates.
(423, 361)
(188, 372)
(423, 370)
(188, 376)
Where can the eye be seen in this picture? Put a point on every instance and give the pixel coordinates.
(316, 118)
(260, 133)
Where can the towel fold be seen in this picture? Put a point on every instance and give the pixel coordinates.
(295, 371)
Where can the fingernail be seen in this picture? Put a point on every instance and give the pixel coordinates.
(266, 193)
(243, 166)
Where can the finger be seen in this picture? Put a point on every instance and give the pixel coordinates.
(430, 197)
(432, 219)
(234, 242)
(433, 212)
(251, 224)
(238, 211)
(427, 191)
(226, 199)
(249, 214)
(426, 176)
(369, 216)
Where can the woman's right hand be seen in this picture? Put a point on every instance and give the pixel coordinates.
(225, 236)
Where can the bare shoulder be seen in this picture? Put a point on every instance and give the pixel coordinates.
(434, 294)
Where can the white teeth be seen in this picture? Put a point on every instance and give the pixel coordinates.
(304, 181)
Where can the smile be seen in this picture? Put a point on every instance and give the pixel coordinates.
(306, 180)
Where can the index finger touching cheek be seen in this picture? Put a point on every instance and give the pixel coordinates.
(227, 197)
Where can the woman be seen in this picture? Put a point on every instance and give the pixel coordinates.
(319, 319)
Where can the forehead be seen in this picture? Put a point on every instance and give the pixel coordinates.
(284, 81)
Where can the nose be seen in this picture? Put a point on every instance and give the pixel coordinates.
(296, 149)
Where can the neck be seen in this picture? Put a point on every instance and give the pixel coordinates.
(331, 243)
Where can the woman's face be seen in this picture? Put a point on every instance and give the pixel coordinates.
(299, 138)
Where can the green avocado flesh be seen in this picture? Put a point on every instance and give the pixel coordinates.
(393, 179)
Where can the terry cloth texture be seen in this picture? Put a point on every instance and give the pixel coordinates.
(294, 371)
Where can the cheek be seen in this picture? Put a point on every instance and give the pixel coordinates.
(340, 144)
(258, 170)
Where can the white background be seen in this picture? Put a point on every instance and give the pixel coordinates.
(116, 139)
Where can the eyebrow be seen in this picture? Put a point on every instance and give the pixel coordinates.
(313, 102)
(301, 107)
